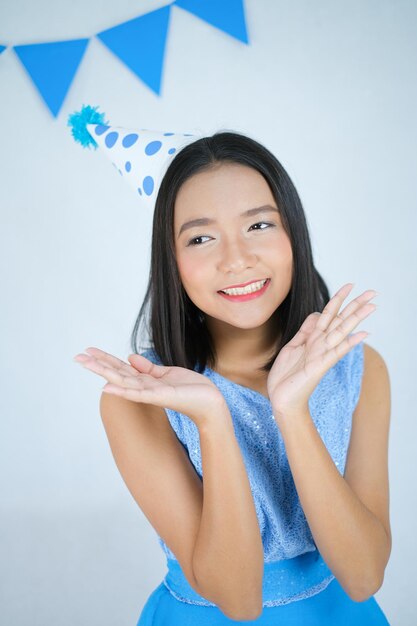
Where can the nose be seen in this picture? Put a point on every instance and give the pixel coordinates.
(236, 256)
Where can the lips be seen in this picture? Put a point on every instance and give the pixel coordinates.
(256, 280)
(247, 296)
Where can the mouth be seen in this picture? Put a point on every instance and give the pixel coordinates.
(240, 295)
(243, 285)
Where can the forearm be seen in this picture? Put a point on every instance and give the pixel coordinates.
(228, 559)
(350, 538)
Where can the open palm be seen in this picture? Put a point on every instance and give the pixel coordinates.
(171, 387)
(322, 340)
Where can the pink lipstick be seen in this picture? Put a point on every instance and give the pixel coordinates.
(247, 296)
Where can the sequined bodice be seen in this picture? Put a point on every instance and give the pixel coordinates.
(283, 525)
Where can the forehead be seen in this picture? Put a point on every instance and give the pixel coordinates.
(230, 186)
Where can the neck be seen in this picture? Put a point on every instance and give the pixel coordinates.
(242, 350)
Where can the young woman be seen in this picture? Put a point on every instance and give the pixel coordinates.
(253, 432)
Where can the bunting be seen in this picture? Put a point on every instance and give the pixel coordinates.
(228, 16)
(52, 67)
(139, 43)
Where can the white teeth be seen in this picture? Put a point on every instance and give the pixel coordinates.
(238, 291)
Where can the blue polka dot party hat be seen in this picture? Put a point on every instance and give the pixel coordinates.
(141, 156)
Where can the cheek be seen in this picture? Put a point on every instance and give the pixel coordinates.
(190, 271)
(281, 253)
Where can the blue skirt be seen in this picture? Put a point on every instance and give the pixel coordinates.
(331, 607)
(328, 606)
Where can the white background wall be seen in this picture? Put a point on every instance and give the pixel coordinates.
(330, 88)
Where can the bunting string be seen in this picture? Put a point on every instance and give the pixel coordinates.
(138, 43)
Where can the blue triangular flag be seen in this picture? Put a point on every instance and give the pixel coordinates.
(2, 48)
(52, 67)
(227, 16)
(140, 44)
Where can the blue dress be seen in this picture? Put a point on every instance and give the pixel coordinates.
(298, 586)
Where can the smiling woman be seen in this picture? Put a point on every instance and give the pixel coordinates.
(232, 429)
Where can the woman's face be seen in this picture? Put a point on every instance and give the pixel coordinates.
(232, 248)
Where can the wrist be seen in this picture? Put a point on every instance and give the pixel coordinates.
(215, 415)
(292, 419)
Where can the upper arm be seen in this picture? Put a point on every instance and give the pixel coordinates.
(158, 473)
(366, 469)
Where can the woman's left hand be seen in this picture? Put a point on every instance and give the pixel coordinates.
(323, 339)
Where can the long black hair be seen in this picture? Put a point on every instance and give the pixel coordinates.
(176, 327)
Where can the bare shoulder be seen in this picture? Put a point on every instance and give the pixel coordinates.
(374, 404)
(374, 365)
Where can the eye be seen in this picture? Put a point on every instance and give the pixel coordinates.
(267, 223)
(191, 241)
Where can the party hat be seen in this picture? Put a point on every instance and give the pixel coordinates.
(140, 155)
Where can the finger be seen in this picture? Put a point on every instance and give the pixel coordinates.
(333, 306)
(304, 331)
(94, 364)
(339, 334)
(341, 349)
(112, 374)
(142, 364)
(104, 357)
(351, 307)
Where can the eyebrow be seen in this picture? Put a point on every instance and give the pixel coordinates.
(204, 221)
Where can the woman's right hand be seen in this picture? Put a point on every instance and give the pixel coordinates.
(170, 387)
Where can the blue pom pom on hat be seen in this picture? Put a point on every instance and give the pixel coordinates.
(140, 155)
